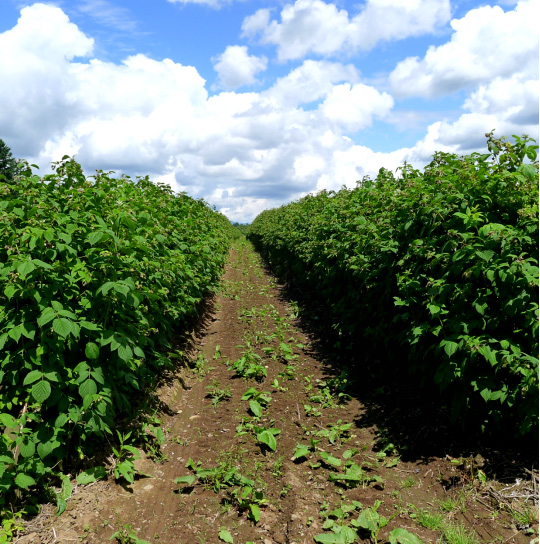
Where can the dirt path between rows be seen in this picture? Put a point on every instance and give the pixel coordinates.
(255, 490)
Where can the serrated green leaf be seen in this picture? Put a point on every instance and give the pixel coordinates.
(450, 347)
(44, 449)
(41, 264)
(61, 419)
(97, 374)
(41, 391)
(53, 376)
(127, 470)
(15, 333)
(63, 326)
(89, 326)
(92, 351)
(28, 449)
(10, 291)
(91, 475)
(24, 481)
(32, 377)
(26, 268)
(95, 237)
(138, 352)
(88, 387)
(7, 420)
(125, 353)
(46, 316)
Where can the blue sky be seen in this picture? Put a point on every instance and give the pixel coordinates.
(250, 104)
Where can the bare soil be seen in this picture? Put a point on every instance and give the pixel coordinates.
(251, 313)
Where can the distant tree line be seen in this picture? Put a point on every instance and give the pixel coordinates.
(242, 227)
(9, 166)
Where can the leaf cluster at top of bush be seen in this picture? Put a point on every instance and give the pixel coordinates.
(444, 262)
(95, 276)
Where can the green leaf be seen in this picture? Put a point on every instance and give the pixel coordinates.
(486, 255)
(95, 237)
(15, 333)
(400, 535)
(10, 291)
(105, 288)
(24, 481)
(44, 449)
(138, 352)
(225, 536)
(7, 420)
(327, 538)
(32, 377)
(63, 326)
(67, 487)
(26, 268)
(254, 512)
(369, 519)
(188, 479)
(41, 264)
(125, 353)
(61, 505)
(268, 439)
(92, 351)
(41, 391)
(91, 475)
(28, 448)
(97, 374)
(127, 470)
(255, 407)
(340, 534)
(88, 387)
(330, 460)
(46, 316)
(300, 451)
(89, 326)
(450, 347)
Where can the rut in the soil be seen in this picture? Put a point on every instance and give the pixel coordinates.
(268, 448)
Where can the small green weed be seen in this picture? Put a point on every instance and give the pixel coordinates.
(127, 535)
(217, 393)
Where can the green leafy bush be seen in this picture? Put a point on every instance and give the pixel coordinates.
(95, 276)
(443, 261)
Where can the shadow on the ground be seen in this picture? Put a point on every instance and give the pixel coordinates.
(413, 418)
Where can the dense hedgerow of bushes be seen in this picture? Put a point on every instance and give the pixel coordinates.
(95, 276)
(442, 262)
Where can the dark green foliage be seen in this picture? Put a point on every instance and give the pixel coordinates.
(443, 262)
(8, 163)
(95, 275)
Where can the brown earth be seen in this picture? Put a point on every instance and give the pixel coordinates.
(453, 495)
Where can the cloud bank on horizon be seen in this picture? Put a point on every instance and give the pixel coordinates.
(290, 102)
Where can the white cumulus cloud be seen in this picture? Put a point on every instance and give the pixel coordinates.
(236, 68)
(354, 106)
(314, 26)
(486, 43)
(241, 151)
(311, 81)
